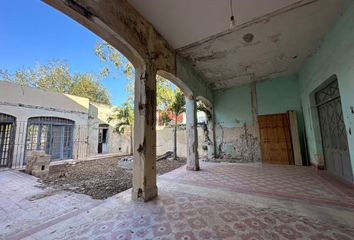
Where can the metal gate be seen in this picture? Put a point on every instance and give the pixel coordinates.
(334, 135)
(7, 135)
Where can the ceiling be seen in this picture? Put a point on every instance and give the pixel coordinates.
(272, 38)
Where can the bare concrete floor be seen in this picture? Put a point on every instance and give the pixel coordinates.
(223, 201)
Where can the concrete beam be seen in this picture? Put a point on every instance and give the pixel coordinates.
(192, 134)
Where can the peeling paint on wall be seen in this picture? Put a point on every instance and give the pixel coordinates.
(239, 143)
(236, 112)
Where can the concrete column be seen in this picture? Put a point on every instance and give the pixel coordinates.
(144, 166)
(216, 154)
(192, 134)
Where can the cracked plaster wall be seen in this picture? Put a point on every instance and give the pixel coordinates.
(236, 129)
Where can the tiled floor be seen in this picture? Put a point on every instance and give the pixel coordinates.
(278, 202)
(284, 182)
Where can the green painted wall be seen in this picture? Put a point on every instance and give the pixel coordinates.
(336, 56)
(232, 106)
(278, 95)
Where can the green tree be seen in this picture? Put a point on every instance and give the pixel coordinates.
(85, 85)
(124, 120)
(116, 63)
(55, 76)
(169, 98)
(177, 107)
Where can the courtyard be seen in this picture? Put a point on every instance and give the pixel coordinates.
(222, 201)
(252, 102)
(101, 178)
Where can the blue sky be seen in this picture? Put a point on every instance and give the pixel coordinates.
(33, 32)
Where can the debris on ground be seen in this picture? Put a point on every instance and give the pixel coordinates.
(100, 178)
(164, 156)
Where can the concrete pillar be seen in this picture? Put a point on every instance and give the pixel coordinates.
(144, 166)
(192, 134)
(214, 133)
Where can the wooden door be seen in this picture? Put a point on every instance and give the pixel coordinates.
(275, 139)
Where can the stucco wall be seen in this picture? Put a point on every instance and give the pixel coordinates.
(237, 133)
(24, 102)
(117, 143)
(335, 56)
(164, 141)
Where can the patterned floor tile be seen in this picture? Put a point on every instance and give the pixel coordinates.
(178, 214)
(287, 182)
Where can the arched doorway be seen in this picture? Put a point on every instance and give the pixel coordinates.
(190, 109)
(207, 125)
(7, 139)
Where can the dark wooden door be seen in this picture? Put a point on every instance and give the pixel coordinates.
(275, 139)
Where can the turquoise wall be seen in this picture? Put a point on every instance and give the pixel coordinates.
(336, 56)
(232, 106)
(278, 95)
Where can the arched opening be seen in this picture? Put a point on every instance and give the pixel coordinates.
(206, 128)
(184, 135)
(7, 134)
(57, 137)
(53, 135)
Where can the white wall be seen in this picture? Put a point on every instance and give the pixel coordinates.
(24, 102)
(118, 143)
(164, 141)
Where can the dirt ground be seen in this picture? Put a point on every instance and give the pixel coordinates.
(99, 179)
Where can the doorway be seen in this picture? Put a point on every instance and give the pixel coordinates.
(103, 139)
(7, 139)
(275, 139)
(333, 131)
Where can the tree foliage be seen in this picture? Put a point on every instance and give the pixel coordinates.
(116, 63)
(55, 76)
(178, 104)
(123, 117)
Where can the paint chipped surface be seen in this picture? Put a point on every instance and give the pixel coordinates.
(263, 48)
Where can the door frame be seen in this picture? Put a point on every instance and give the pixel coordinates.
(318, 130)
(8, 120)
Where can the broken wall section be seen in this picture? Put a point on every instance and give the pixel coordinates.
(237, 131)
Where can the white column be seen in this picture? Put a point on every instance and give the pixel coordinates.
(192, 134)
(144, 166)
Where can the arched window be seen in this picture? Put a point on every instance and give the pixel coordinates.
(51, 134)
